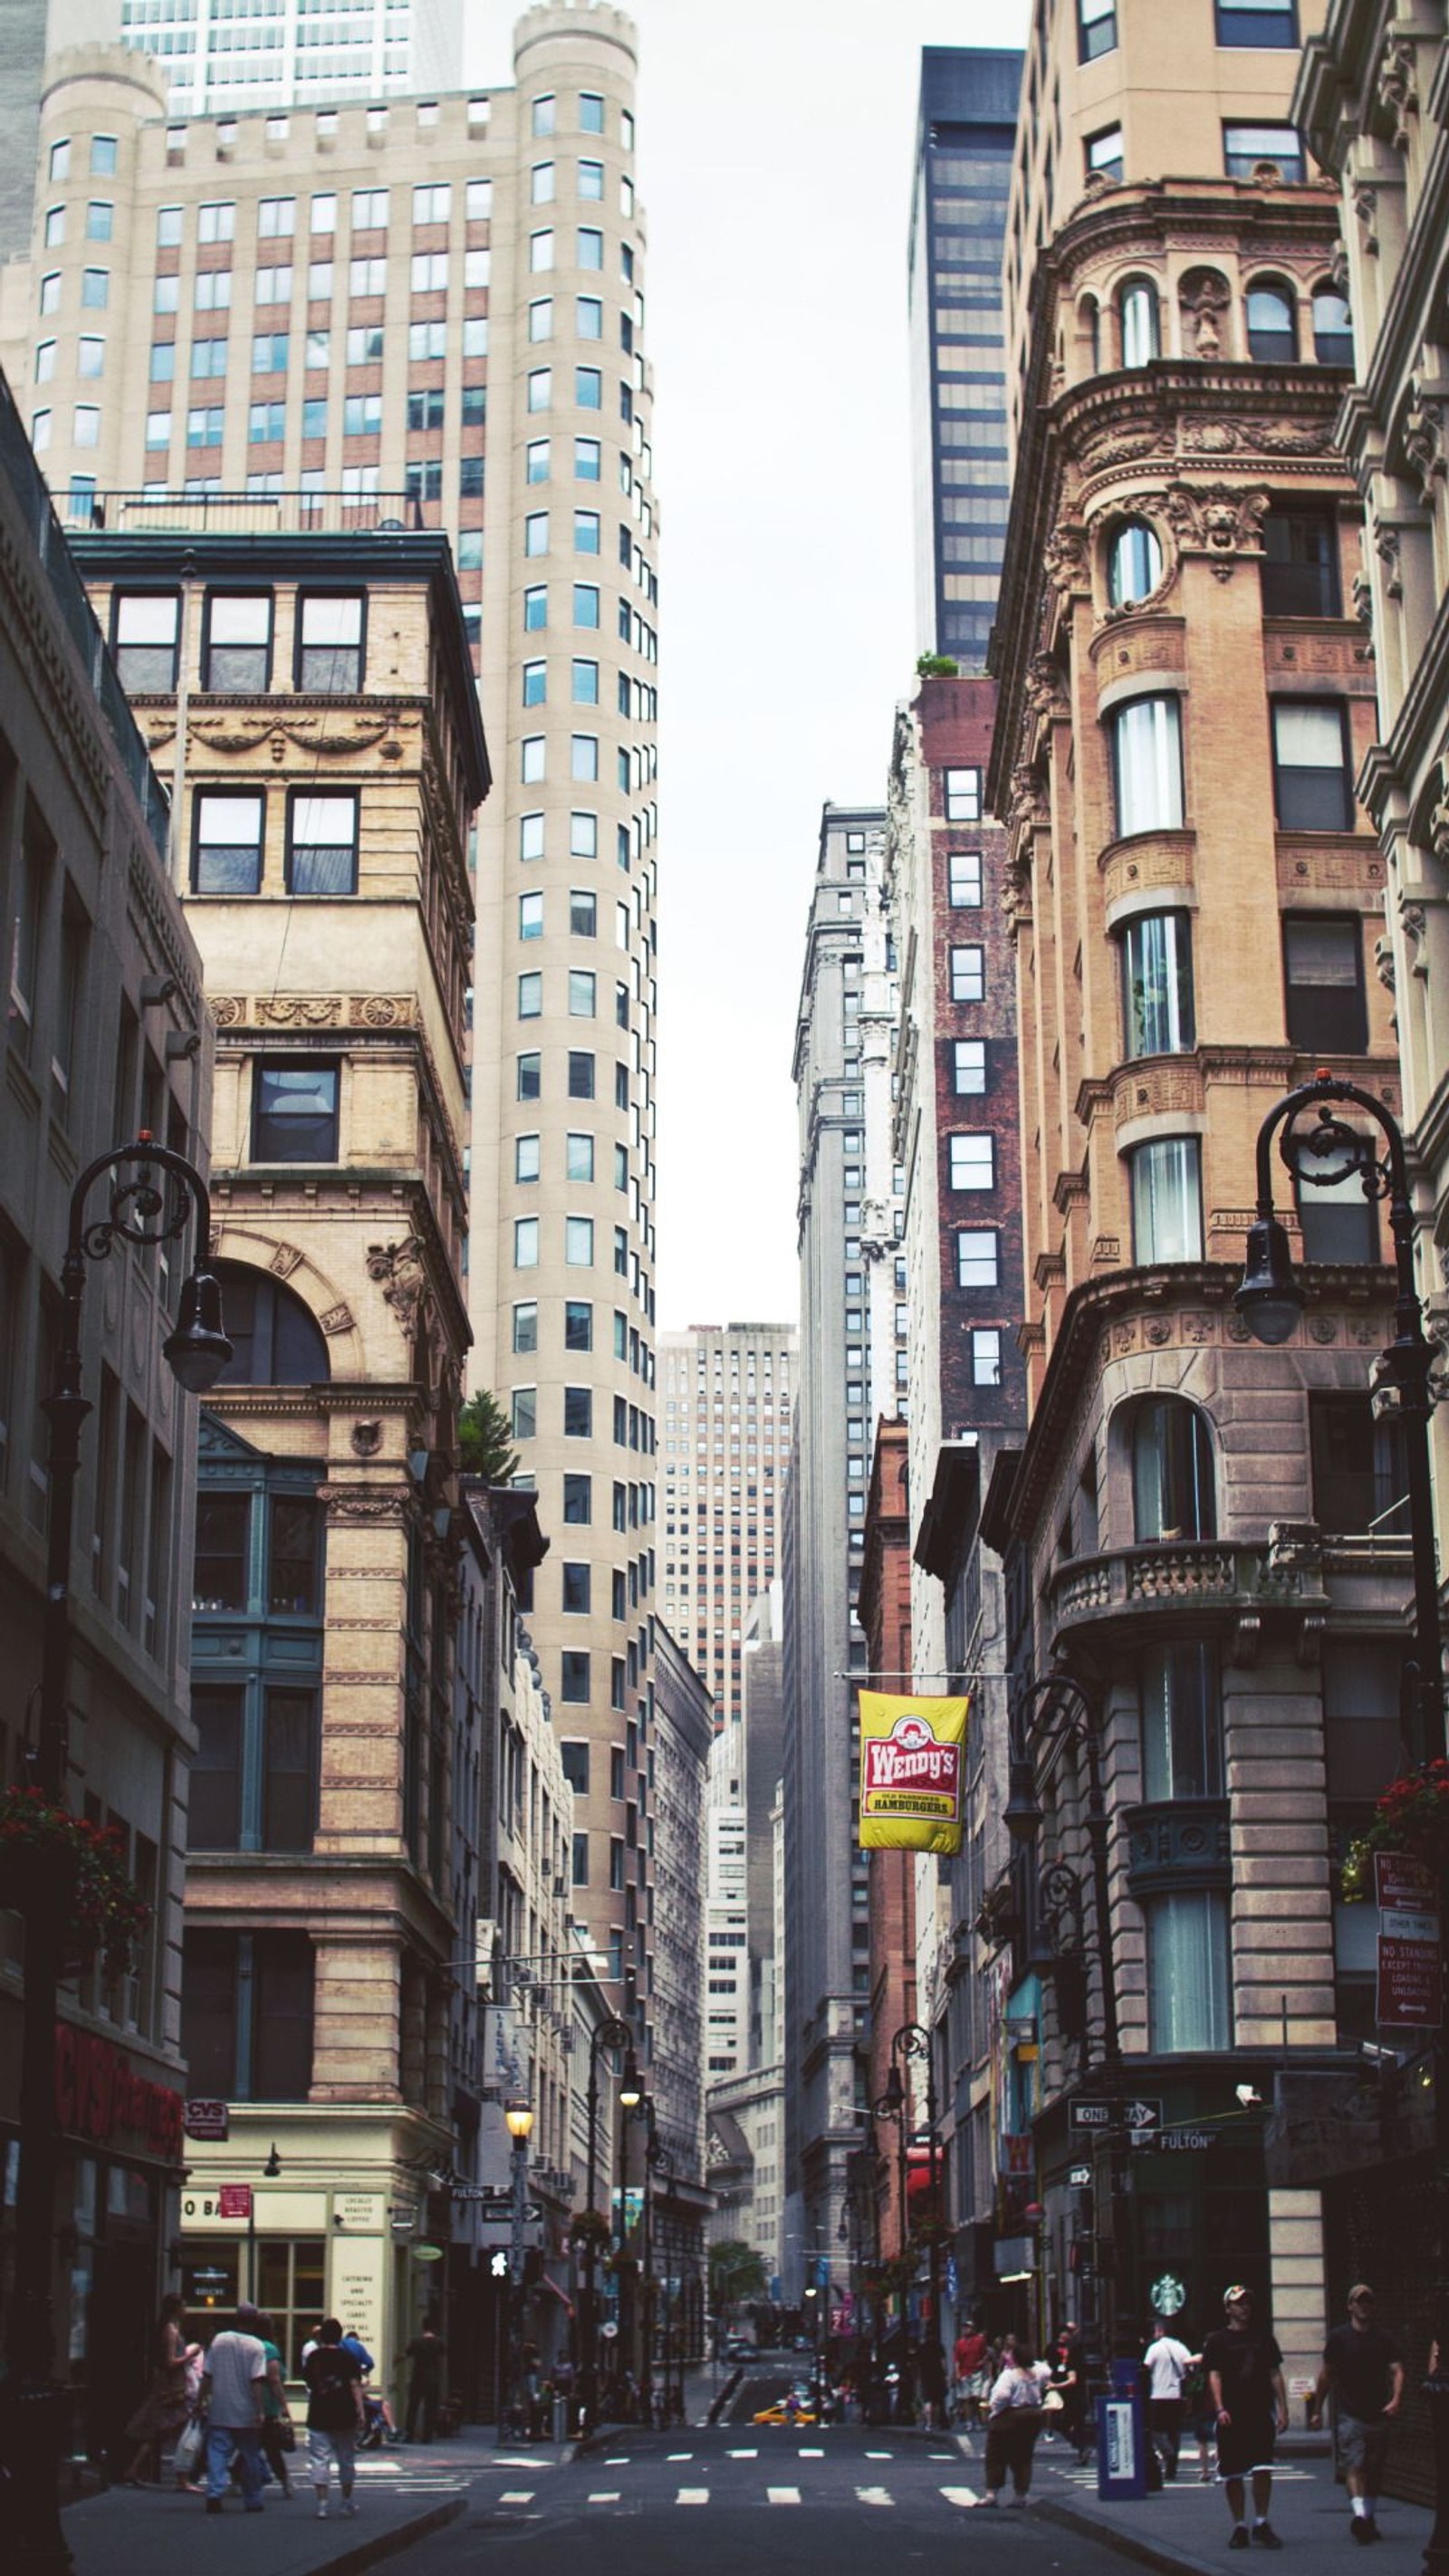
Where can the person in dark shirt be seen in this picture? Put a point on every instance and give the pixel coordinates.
(425, 2352)
(1364, 2368)
(334, 2412)
(1245, 2374)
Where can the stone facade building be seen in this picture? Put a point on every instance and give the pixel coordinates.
(315, 708)
(106, 1033)
(1206, 1535)
(431, 312)
(724, 1439)
(885, 1615)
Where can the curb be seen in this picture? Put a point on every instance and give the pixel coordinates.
(387, 2544)
(1126, 2544)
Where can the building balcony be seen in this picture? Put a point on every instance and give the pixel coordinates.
(248, 514)
(1241, 1582)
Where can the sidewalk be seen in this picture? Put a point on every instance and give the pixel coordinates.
(1186, 2527)
(401, 2496)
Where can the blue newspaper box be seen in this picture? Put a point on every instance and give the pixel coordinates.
(1122, 2436)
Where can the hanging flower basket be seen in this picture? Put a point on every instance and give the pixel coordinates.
(52, 1860)
(1412, 1817)
(590, 2228)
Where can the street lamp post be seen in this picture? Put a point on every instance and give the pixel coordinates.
(1270, 1300)
(657, 2160)
(519, 2120)
(913, 2040)
(610, 2033)
(1073, 1716)
(152, 1206)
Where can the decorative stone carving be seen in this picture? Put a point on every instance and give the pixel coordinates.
(362, 1503)
(1363, 601)
(306, 733)
(1423, 440)
(338, 1319)
(1338, 268)
(1218, 518)
(227, 1009)
(1065, 556)
(1236, 1329)
(1439, 821)
(1045, 687)
(285, 1260)
(1366, 207)
(367, 1438)
(299, 1011)
(1204, 298)
(1384, 962)
(383, 1010)
(400, 1272)
(1027, 808)
(1322, 1328)
(1398, 87)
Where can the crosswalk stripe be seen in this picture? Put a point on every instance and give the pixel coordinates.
(812, 2455)
(517, 2495)
(692, 2495)
(959, 2495)
(744, 2455)
(617, 2464)
(609, 2496)
(783, 2495)
(880, 2455)
(680, 2455)
(872, 2495)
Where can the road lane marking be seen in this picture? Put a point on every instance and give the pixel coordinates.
(744, 2455)
(692, 2495)
(959, 2495)
(517, 2495)
(679, 2455)
(812, 2455)
(617, 2464)
(783, 2495)
(880, 2455)
(873, 2495)
(610, 2495)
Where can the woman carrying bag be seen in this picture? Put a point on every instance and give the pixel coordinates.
(1014, 2419)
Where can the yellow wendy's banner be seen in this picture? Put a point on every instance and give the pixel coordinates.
(912, 1772)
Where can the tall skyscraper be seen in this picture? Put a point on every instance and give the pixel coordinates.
(431, 313)
(1204, 1535)
(852, 1367)
(964, 134)
(724, 1437)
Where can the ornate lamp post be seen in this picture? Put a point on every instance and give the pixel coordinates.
(519, 2121)
(1060, 1710)
(1270, 1299)
(657, 2160)
(153, 1194)
(913, 2040)
(611, 2033)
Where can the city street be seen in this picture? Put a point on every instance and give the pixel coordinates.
(715, 2498)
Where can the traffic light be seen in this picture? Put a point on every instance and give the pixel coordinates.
(498, 2264)
(532, 2266)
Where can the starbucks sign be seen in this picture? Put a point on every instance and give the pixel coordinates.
(1168, 2295)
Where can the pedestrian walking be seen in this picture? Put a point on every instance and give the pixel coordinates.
(1245, 2374)
(1068, 2376)
(168, 2400)
(972, 2382)
(335, 2416)
(278, 2437)
(425, 2352)
(1198, 2417)
(232, 2386)
(1364, 2369)
(1013, 2421)
(1167, 2363)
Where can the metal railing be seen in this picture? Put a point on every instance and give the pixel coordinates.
(248, 514)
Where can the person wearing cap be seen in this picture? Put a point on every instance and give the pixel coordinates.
(235, 2382)
(1245, 2375)
(1364, 2368)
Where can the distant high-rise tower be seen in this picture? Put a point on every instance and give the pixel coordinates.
(725, 1437)
(964, 138)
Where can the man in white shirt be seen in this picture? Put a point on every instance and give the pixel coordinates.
(234, 2382)
(1167, 2364)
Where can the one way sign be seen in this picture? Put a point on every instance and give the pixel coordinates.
(1142, 2117)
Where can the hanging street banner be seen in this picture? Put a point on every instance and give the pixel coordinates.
(912, 1772)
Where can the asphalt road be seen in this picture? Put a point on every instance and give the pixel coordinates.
(818, 2504)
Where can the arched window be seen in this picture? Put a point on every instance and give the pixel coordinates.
(1172, 1472)
(1272, 328)
(1137, 314)
(1134, 562)
(1332, 328)
(276, 1340)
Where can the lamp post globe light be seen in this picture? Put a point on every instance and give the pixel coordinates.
(614, 2034)
(518, 2119)
(1313, 1140)
(153, 1193)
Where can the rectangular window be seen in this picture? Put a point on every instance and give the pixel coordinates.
(581, 1076)
(1167, 1200)
(578, 1413)
(588, 317)
(530, 997)
(578, 1506)
(586, 604)
(525, 1327)
(294, 1117)
(530, 1077)
(586, 532)
(1104, 153)
(221, 1579)
(588, 456)
(540, 252)
(322, 839)
(1338, 1222)
(525, 1243)
(227, 855)
(585, 684)
(579, 1242)
(968, 974)
(1300, 564)
(963, 795)
(583, 991)
(215, 223)
(1146, 739)
(977, 1259)
(1189, 1973)
(144, 630)
(1157, 1000)
(289, 1768)
(214, 1814)
(330, 643)
(1258, 22)
(986, 1357)
(369, 210)
(583, 836)
(523, 1411)
(964, 879)
(1310, 765)
(1360, 1473)
(540, 318)
(968, 1066)
(540, 389)
(1096, 29)
(584, 756)
(1244, 146)
(972, 1161)
(583, 913)
(578, 1324)
(590, 247)
(1323, 978)
(432, 204)
(588, 389)
(238, 650)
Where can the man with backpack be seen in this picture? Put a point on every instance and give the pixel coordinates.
(335, 2416)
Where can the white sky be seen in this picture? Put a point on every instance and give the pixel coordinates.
(775, 151)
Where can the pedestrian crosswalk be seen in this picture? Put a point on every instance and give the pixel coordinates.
(877, 2496)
